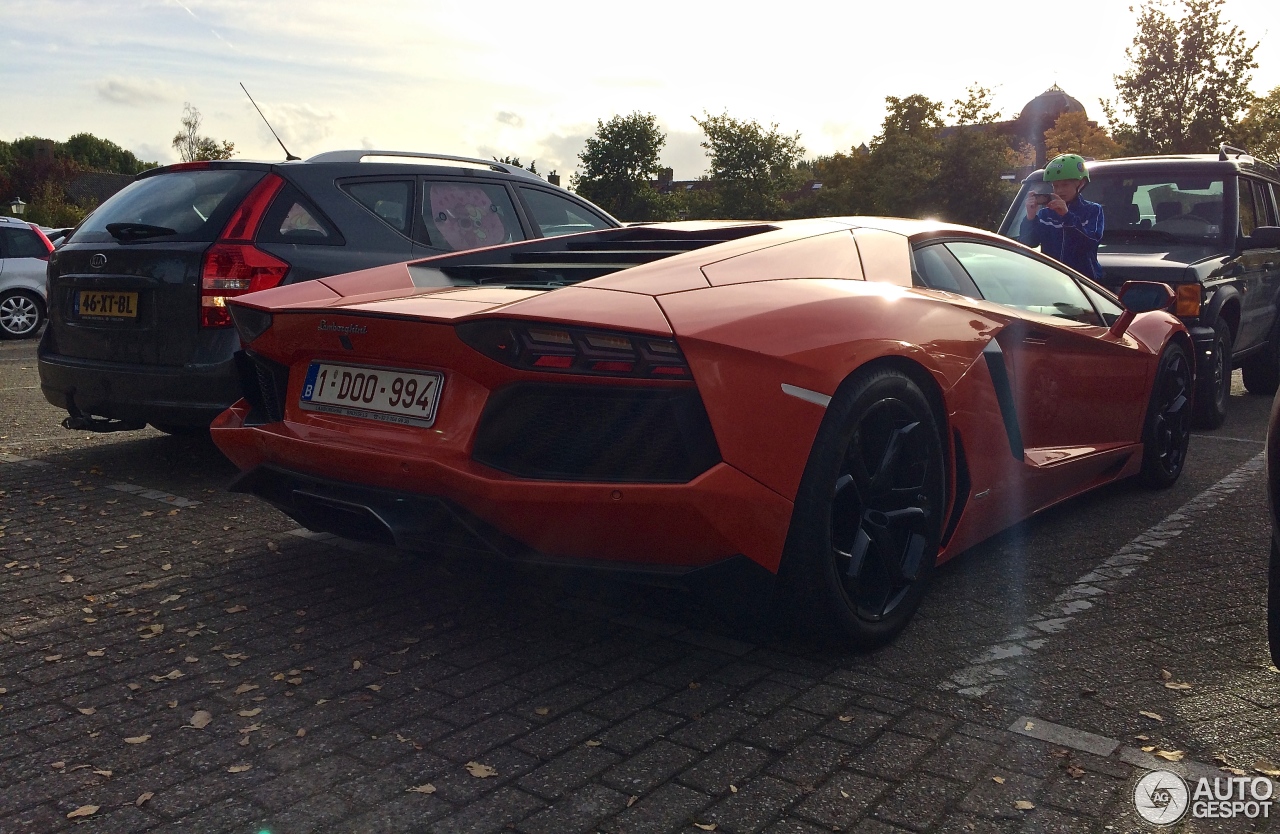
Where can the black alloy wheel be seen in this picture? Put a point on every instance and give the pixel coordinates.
(1213, 391)
(868, 517)
(1167, 430)
(21, 314)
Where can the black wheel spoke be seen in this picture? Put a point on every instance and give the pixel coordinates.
(882, 480)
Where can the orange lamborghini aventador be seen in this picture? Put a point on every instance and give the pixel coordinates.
(830, 406)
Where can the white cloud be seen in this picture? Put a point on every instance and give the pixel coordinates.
(506, 117)
(301, 126)
(135, 92)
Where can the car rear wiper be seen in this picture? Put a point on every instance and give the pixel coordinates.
(136, 231)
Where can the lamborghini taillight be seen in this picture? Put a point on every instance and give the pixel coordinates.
(576, 350)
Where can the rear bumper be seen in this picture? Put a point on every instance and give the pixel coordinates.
(450, 502)
(190, 395)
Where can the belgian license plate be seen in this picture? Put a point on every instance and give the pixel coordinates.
(101, 304)
(388, 394)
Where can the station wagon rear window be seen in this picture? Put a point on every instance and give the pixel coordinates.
(178, 206)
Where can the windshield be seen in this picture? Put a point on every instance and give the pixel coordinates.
(1160, 207)
(183, 205)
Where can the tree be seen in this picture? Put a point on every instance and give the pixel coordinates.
(904, 160)
(532, 167)
(1187, 82)
(1259, 130)
(968, 188)
(751, 165)
(617, 164)
(1073, 133)
(193, 147)
(89, 152)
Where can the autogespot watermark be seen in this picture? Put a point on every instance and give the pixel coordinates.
(1164, 798)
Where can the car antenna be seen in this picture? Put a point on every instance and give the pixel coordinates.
(288, 157)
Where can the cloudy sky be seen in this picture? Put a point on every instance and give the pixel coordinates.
(530, 80)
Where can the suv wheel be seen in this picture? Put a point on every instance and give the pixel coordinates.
(21, 314)
(1213, 389)
(1262, 370)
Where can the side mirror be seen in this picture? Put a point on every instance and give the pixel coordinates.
(1263, 237)
(1140, 297)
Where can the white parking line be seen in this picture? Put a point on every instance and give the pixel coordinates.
(995, 663)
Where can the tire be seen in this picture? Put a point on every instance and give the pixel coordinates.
(1213, 390)
(181, 431)
(1167, 429)
(1261, 371)
(1273, 603)
(21, 314)
(868, 515)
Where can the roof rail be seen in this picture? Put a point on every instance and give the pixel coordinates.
(360, 155)
(1225, 152)
(1248, 159)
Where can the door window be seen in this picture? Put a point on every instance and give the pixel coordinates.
(389, 200)
(1248, 216)
(1263, 206)
(939, 270)
(1016, 280)
(465, 215)
(556, 215)
(293, 218)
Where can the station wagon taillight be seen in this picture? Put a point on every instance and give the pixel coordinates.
(233, 265)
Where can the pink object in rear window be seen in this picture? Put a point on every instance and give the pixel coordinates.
(466, 217)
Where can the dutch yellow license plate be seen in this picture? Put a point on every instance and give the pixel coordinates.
(107, 305)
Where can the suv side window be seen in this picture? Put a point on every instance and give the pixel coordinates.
(467, 215)
(1248, 216)
(1263, 204)
(388, 200)
(1024, 283)
(293, 218)
(555, 215)
(21, 243)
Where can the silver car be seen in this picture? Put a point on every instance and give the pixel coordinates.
(24, 259)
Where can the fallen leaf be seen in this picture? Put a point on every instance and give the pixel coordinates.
(1143, 738)
(480, 771)
(427, 788)
(250, 713)
(166, 566)
(53, 658)
(999, 780)
(245, 687)
(541, 710)
(631, 800)
(244, 742)
(846, 718)
(137, 739)
(294, 681)
(301, 732)
(83, 811)
(172, 705)
(96, 653)
(1267, 768)
(709, 826)
(355, 664)
(236, 609)
(1154, 716)
(171, 598)
(67, 579)
(1165, 674)
(134, 686)
(240, 768)
(593, 743)
(1023, 805)
(252, 728)
(375, 687)
(105, 773)
(58, 765)
(1148, 748)
(272, 546)
(201, 719)
(1075, 771)
(86, 710)
(143, 797)
(1031, 725)
(733, 789)
(1177, 685)
(1171, 755)
(172, 676)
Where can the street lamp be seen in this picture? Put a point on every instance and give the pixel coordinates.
(17, 206)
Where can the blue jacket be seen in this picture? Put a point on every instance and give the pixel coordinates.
(1072, 238)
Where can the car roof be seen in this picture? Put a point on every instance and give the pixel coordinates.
(1206, 162)
(374, 162)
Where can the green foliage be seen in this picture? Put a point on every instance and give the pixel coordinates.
(905, 157)
(39, 171)
(1259, 130)
(751, 166)
(191, 146)
(617, 164)
(91, 153)
(968, 189)
(50, 207)
(1187, 82)
(1072, 133)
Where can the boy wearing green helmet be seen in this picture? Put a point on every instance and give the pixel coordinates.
(1063, 224)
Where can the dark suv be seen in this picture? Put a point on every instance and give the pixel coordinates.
(1207, 225)
(138, 324)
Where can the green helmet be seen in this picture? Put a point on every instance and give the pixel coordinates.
(1067, 166)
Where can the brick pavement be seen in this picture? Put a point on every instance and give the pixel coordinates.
(357, 689)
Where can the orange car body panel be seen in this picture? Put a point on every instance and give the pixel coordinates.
(804, 306)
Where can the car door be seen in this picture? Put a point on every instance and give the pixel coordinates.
(1268, 214)
(1257, 266)
(552, 214)
(1075, 387)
